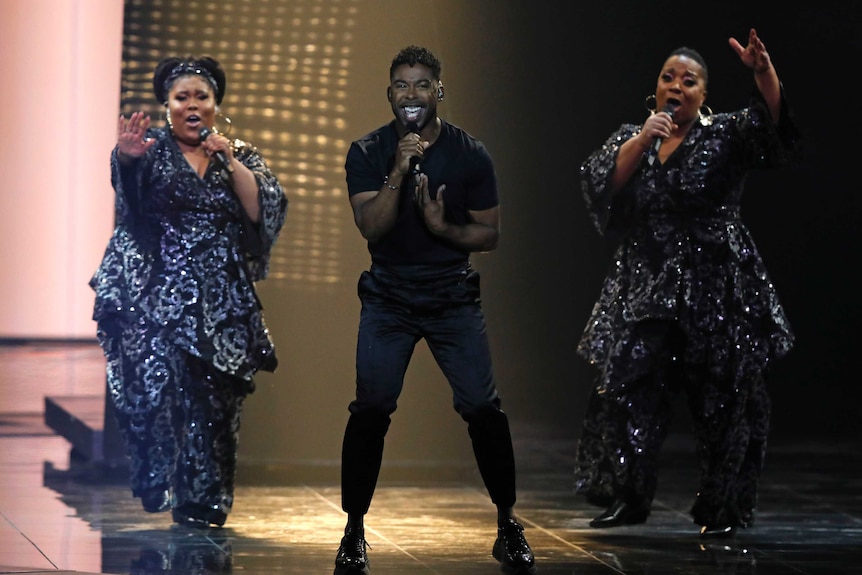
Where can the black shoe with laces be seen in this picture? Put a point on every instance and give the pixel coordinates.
(512, 550)
(352, 558)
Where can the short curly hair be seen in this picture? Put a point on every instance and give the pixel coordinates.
(169, 69)
(413, 55)
(693, 55)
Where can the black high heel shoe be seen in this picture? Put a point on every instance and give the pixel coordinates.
(156, 500)
(717, 531)
(622, 512)
(198, 516)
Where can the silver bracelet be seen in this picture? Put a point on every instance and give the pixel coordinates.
(388, 185)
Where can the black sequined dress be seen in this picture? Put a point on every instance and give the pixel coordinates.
(179, 320)
(687, 304)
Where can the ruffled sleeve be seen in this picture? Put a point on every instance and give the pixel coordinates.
(771, 144)
(610, 216)
(259, 238)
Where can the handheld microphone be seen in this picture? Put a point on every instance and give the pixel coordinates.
(220, 156)
(414, 161)
(652, 154)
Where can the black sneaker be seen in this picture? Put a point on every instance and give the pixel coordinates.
(512, 550)
(352, 558)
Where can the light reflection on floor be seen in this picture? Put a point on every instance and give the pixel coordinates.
(62, 515)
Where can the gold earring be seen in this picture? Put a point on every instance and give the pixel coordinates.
(650, 103)
(704, 107)
(168, 120)
(225, 122)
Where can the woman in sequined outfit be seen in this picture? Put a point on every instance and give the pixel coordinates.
(687, 304)
(177, 314)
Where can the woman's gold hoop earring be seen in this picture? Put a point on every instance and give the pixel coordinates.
(224, 122)
(705, 110)
(650, 103)
(168, 118)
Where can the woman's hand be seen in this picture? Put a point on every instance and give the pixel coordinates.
(215, 143)
(658, 125)
(757, 58)
(754, 55)
(130, 136)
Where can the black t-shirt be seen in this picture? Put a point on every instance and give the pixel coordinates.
(455, 159)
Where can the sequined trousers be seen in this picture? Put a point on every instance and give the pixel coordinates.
(617, 453)
(179, 418)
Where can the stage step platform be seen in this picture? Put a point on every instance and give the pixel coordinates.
(81, 420)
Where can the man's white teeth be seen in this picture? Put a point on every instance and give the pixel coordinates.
(412, 110)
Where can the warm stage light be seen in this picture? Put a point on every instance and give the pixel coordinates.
(288, 49)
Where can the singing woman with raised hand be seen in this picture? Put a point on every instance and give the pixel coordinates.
(687, 304)
(196, 218)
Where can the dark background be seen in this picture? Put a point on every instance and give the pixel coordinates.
(542, 84)
(570, 74)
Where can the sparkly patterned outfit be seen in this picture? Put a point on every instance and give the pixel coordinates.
(687, 305)
(179, 321)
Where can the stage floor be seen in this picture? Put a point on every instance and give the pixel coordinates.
(61, 515)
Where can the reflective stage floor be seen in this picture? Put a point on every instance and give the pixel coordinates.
(60, 515)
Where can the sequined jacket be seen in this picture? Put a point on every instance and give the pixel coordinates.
(684, 254)
(183, 257)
